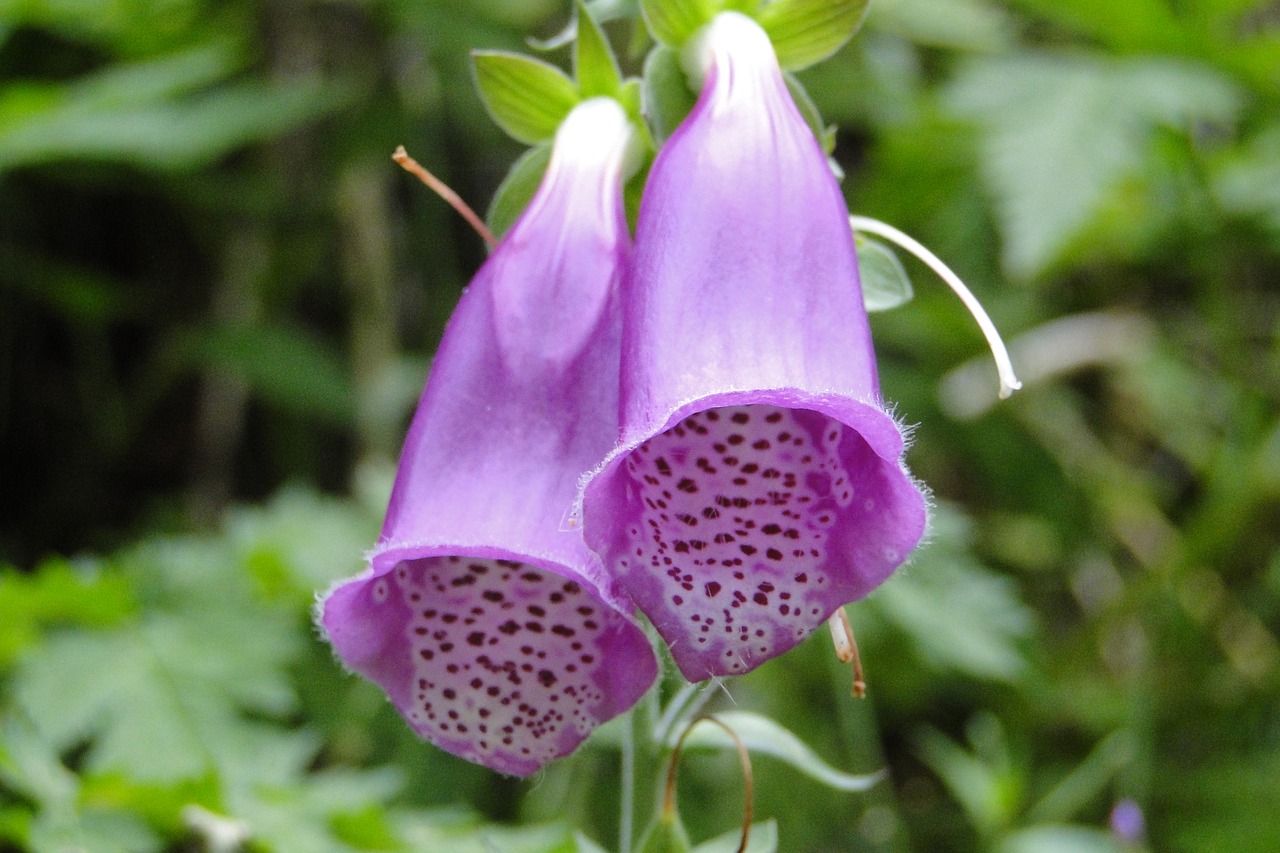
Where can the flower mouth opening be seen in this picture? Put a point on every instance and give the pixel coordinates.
(738, 514)
(506, 658)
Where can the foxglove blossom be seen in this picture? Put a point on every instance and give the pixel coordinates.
(481, 613)
(758, 484)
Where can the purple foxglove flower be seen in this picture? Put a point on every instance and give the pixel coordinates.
(481, 614)
(758, 484)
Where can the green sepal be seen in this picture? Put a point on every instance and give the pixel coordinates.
(807, 31)
(595, 66)
(809, 110)
(672, 22)
(764, 839)
(517, 189)
(666, 835)
(526, 97)
(665, 92)
(885, 284)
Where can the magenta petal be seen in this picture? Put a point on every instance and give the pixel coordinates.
(481, 614)
(759, 483)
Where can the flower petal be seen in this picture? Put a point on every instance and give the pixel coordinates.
(759, 482)
(482, 613)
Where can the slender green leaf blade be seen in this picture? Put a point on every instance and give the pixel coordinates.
(1059, 839)
(766, 737)
(526, 97)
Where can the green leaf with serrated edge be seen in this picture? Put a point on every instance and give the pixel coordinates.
(1061, 133)
(884, 281)
(766, 737)
(673, 21)
(517, 189)
(764, 839)
(526, 97)
(161, 699)
(807, 31)
(665, 93)
(593, 61)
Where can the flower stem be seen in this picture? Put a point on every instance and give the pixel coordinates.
(1008, 381)
(627, 807)
(640, 756)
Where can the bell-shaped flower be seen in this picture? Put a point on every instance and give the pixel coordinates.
(482, 613)
(758, 484)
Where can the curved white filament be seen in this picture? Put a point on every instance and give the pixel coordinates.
(1008, 380)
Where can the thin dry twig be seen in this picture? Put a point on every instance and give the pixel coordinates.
(442, 189)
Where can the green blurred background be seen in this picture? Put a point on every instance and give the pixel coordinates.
(219, 301)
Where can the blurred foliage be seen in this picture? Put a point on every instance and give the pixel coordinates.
(218, 299)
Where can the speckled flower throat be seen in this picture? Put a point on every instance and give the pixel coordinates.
(508, 660)
(730, 548)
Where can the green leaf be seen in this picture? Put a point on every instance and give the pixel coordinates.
(299, 543)
(665, 835)
(163, 698)
(961, 616)
(526, 97)
(977, 786)
(1059, 133)
(517, 189)
(1248, 180)
(974, 25)
(286, 366)
(463, 833)
(766, 737)
(665, 92)
(804, 32)
(673, 21)
(145, 113)
(1131, 25)
(1086, 781)
(61, 818)
(764, 839)
(57, 593)
(595, 66)
(885, 284)
(325, 812)
(1059, 839)
(582, 844)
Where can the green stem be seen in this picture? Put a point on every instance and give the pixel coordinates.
(626, 818)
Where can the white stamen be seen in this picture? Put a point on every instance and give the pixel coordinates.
(1008, 381)
(841, 635)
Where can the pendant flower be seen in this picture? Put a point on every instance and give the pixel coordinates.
(482, 614)
(758, 484)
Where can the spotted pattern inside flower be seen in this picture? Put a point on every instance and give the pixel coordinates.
(506, 657)
(739, 503)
